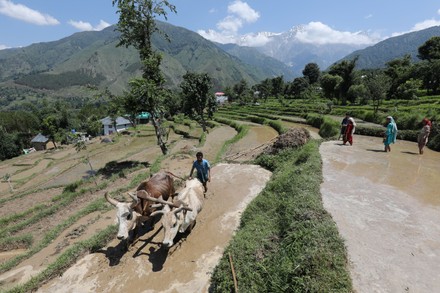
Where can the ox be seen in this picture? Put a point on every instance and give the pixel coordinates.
(180, 216)
(157, 189)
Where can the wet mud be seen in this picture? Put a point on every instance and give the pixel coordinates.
(387, 208)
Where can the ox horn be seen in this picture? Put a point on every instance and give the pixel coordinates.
(159, 200)
(157, 213)
(135, 199)
(110, 200)
(182, 207)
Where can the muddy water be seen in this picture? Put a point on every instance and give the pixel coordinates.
(184, 268)
(387, 208)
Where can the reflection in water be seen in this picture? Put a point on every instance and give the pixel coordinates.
(402, 168)
(387, 209)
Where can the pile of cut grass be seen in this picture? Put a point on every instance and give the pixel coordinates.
(287, 242)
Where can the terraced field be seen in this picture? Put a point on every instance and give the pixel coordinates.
(53, 210)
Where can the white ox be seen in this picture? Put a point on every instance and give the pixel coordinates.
(180, 216)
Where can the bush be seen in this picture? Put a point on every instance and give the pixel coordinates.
(434, 143)
(329, 128)
(315, 120)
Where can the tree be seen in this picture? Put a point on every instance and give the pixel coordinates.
(299, 86)
(277, 86)
(430, 50)
(241, 91)
(399, 71)
(377, 86)
(330, 85)
(79, 146)
(51, 128)
(344, 69)
(197, 98)
(358, 93)
(8, 147)
(265, 88)
(137, 26)
(312, 72)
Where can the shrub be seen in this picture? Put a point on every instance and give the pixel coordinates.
(329, 128)
(315, 120)
(434, 143)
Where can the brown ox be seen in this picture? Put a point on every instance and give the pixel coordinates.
(157, 188)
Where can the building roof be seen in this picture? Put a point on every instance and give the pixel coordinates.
(119, 121)
(40, 138)
(143, 115)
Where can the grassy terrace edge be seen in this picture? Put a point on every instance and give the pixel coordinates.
(287, 242)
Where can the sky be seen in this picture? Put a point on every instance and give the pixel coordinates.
(23, 22)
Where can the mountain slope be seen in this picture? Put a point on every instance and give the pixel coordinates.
(253, 56)
(396, 47)
(70, 66)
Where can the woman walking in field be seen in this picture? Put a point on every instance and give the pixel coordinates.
(349, 131)
(390, 134)
(422, 139)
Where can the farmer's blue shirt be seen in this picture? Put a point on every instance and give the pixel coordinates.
(202, 170)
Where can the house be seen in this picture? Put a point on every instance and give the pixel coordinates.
(108, 125)
(220, 98)
(41, 143)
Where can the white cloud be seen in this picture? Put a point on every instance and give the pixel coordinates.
(87, 26)
(25, 13)
(425, 24)
(368, 16)
(243, 11)
(230, 24)
(2, 47)
(419, 26)
(239, 14)
(319, 33)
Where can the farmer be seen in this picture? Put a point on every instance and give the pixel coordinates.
(422, 139)
(344, 126)
(203, 170)
(390, 134)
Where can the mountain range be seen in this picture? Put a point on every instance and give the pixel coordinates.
(77, 66)
(378, 55)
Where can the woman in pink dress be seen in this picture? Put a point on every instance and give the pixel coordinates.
(424, 134)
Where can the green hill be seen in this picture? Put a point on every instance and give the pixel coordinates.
(396, 47)
(75, 66)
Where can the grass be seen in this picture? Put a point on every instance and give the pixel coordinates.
(286, 241)
(241, 132)
(66, 259)
(97, 205)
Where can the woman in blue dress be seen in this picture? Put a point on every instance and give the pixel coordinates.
(390, 134)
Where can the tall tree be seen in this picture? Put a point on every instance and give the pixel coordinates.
(197, 97)
(399, 71)
(377, 86)
(312, 72)
(430, 50)
(137, 26)
(344, 69)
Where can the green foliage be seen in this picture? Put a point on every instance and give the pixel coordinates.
(329, 128)
(330, 85)
(287, 242)
(430, 50)
(62, 80)
(311, 72)
(344, 69)
(197, 98)
(8, 146)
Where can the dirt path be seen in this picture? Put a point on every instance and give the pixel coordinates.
(185, 267)
(387, 208)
